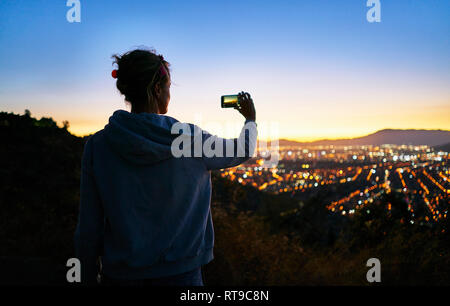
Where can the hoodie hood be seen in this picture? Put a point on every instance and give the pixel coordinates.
(142, 138)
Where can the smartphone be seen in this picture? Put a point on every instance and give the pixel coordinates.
(229, 101)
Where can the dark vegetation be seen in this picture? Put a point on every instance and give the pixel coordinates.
(261, 239)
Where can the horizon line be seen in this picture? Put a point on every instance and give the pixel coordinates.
(301, 140)
(317, 139)
(365, 135)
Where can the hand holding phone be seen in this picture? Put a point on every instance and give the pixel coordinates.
(242, 102)
(246, 106)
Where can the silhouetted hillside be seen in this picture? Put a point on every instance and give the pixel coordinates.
(386, 136)
(40, 170)
(39, 194)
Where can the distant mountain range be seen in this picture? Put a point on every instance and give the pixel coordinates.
(386, 136)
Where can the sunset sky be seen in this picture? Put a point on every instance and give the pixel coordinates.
(315, 69)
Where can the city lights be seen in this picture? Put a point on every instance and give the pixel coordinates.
(357, 176)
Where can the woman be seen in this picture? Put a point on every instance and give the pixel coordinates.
(143, 211)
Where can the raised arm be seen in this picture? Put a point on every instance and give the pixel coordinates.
(216, 152)
(234, 151)
(227, 153)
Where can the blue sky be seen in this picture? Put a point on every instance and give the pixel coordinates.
(316, 68)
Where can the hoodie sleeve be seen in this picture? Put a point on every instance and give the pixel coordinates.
(89, 231)
(225, 153)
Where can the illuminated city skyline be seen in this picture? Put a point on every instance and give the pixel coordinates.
(357, 176)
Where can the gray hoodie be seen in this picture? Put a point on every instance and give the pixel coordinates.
(143, 210)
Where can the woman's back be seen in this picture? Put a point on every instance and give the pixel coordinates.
(155, 207)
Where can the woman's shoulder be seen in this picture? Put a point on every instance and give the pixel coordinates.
(92, 138)
(170, 119)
